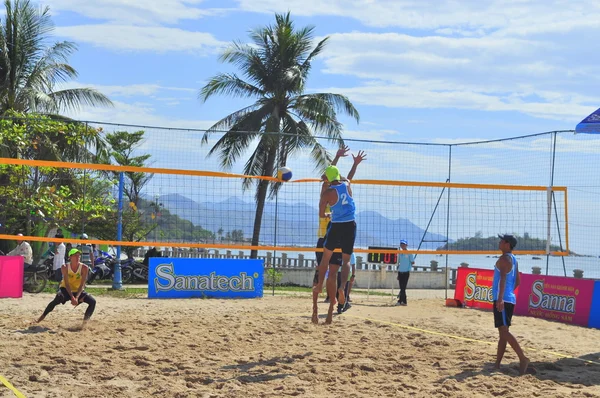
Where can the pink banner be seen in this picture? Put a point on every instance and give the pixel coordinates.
(11, 276)
(555, 298)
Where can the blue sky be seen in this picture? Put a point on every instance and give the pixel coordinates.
(416, 70)
(441, 71)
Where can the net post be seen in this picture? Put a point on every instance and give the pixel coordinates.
(549, 218)
(448, 217)
(117, 279)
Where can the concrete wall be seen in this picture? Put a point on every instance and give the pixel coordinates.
(375, 279)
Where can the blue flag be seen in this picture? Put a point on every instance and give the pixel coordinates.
(589, 125)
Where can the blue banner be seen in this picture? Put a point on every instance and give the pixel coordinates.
(205, 277)
(595, 312)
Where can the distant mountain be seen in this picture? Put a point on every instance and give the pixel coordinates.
(297, 224)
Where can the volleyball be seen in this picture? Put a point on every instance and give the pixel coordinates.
(284, 173)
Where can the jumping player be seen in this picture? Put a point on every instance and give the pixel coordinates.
(340, 234)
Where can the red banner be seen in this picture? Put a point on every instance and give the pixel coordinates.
(474, 287)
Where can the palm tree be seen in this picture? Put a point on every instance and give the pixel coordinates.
(283, 117)
(30, 71)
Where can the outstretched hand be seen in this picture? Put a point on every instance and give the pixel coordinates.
(342, 152)
(359, 157)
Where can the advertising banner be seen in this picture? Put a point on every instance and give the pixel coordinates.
(205, 277)
(11, 276)
(555, 298)
(595, 310)
(474, 287)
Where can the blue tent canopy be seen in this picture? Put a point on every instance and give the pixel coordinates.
(589, 125)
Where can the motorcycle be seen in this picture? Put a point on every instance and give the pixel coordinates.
(35, 278)
(48, 265)
(104, 268)
(100, 270)
(139, 271)
(127, 270)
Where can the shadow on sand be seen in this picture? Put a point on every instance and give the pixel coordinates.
(583, 370)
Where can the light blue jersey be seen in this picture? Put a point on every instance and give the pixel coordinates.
(405, 262)
(511, 279)
(343, 210)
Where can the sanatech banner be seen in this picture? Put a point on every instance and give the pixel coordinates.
(204, 277)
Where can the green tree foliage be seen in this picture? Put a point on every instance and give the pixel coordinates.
(35, 199)
(31, 72)
(124, 146)
(275, 67)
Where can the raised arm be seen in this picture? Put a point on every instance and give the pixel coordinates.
(342, 152)
(357, 159)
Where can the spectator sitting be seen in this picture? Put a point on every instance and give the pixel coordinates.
(23, 249)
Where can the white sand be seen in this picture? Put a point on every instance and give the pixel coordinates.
(243, 348)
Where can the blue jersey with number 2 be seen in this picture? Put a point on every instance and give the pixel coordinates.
(343, 209)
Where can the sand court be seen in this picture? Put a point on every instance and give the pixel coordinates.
(269, 348)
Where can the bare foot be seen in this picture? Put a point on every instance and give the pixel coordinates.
(341, 297)
(523, 366)
(39, 319)
(315, 318)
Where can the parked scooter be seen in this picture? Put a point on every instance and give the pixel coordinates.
(34, 278)
(104, 268)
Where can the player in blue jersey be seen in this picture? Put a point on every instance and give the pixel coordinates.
(506, 280)
(341, 233)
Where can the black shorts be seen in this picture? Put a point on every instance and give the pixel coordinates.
(336, 257)
(64, 297)
(341, 235)
(503, 318)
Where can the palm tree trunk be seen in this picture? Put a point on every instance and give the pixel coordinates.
(261, 196)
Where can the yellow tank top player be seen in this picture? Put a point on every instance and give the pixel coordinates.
(73, 277)
(72, 287)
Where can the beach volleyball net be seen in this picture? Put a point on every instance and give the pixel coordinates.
(445, 199)
(209, 210)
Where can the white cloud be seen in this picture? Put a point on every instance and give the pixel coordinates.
(135, 11)
(137, 113)
(447, 16)
(131, 90)
(566, 142)
(138, 38)
(372, 135)
(429, 95)
(486, 73)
